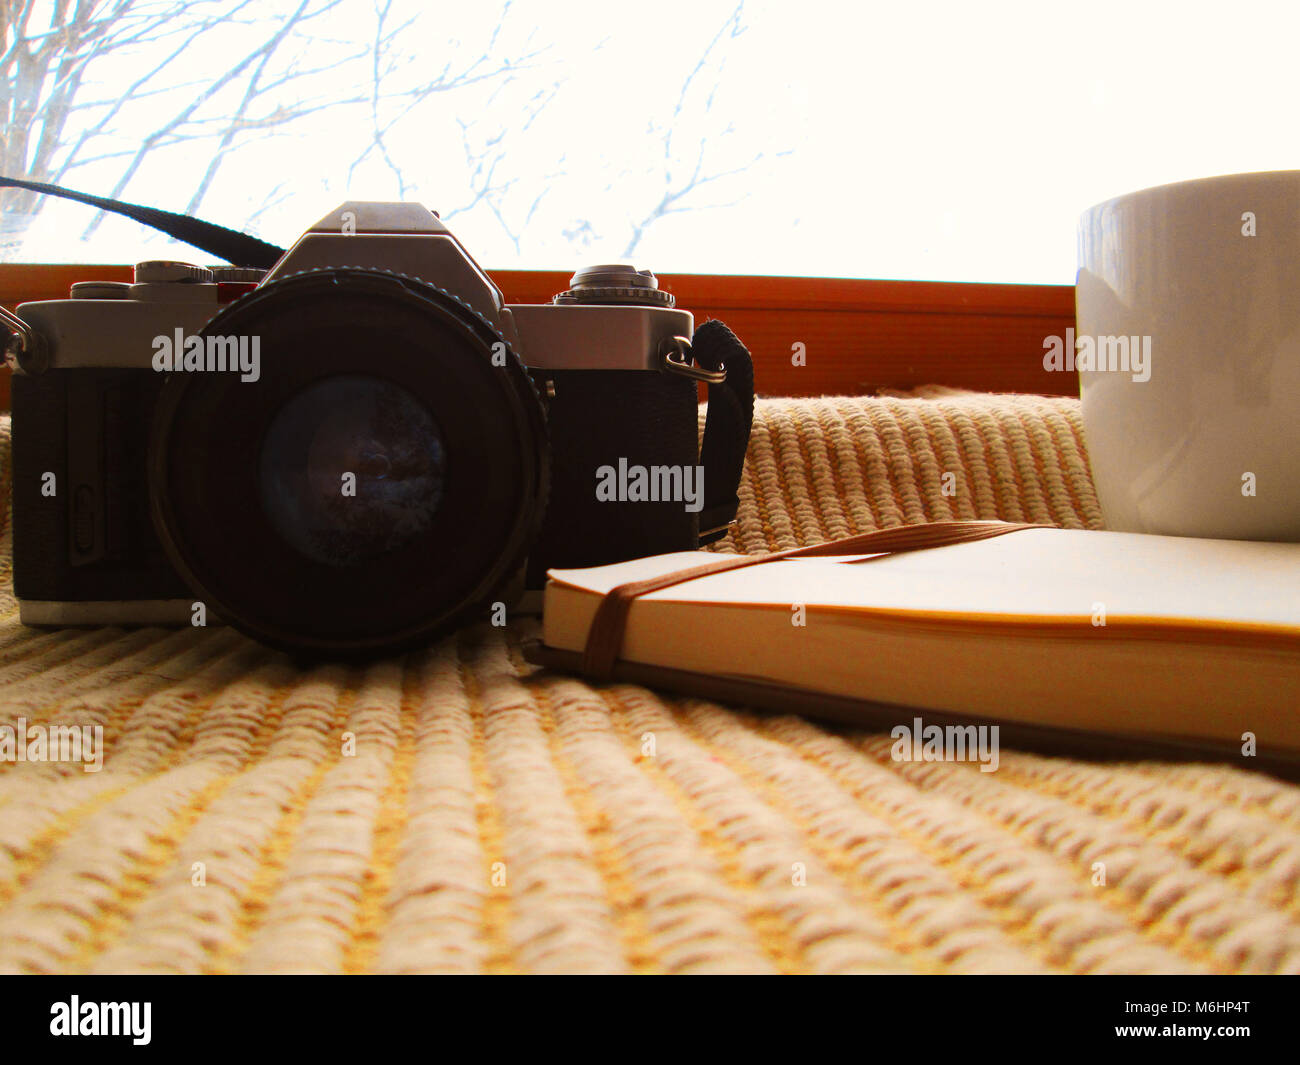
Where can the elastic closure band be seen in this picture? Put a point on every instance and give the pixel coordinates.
(605, 637)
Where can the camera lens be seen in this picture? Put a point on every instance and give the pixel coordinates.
(374, 482)
(351, 469)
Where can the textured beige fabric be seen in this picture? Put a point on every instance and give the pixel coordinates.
(496, 819)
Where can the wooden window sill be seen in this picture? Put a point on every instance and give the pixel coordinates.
(857, 337)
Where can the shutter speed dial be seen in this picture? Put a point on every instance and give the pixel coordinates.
(615, 283)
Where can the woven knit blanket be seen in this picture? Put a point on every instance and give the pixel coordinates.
(456, 810)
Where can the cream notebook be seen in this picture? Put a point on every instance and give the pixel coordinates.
(1129, 636)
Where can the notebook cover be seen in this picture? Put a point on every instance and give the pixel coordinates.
(868, 715)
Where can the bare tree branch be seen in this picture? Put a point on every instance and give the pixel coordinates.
(677, 192)
(251, 92)
(67, 106)
(385, 60)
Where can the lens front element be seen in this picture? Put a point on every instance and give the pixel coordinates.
(352, 468)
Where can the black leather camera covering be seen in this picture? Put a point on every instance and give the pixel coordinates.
(92, 539)
(596, 418)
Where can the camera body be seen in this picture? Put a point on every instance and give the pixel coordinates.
(191, 437)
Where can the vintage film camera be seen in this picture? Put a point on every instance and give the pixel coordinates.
(362, 448)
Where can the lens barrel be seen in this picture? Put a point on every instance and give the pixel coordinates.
(374, 482)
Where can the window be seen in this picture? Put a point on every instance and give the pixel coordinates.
(916, 140)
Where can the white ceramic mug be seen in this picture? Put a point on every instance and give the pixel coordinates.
(1197, 431)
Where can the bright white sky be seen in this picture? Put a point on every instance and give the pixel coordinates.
(950, 141)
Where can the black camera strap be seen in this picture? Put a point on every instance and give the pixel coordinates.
(234, 247)
(726, 427)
